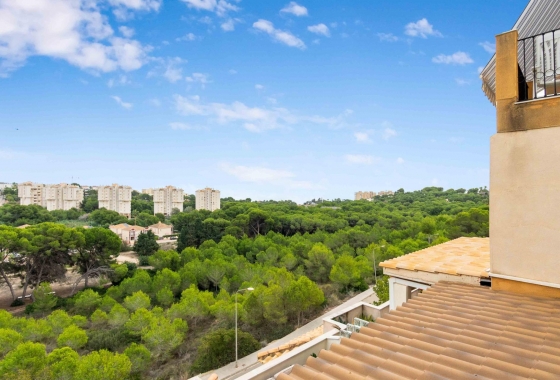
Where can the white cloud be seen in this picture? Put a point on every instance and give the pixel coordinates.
(169, 68)
(281, 36)
(295, 9)
(387, 37)
(488, 46)
(421, 28)
(259, 87)
(154, 102)
(122, 103)
(480, 68)
(182, 126)
(126, 31)
(124, 8)
(228, 26)
(462, 82)
(220, 7)
(388, 133)
(122, 80)
(362, 137)
(458, 58)
(198, 78)
(360, 159)
(232, 71)
(75, 31)
(187, 37)
(254, 119)
(320, 29)
(263, 175)
(400, 160)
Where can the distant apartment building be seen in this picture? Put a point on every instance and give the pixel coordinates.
(116, 198)
(166, 199)
(4, 185)
(52, 197)
(148, 191)
(368, 195)
(208, 199)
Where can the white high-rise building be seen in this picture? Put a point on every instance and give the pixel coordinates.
(168, 198)
(116, 198)
(208, 199)
(52, 197)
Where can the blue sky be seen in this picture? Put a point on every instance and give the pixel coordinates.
(261, 99)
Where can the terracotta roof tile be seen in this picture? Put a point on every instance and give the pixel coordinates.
(462, 256)
(450, 331)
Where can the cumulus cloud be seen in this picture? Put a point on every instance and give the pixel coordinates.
(295, 9)
(182, 126)
(488, 46)
(228, 26)
(360, 159)
(320, 29)
(387, 37)
(362, 137)
(254, 119)
(124, 8)
(200, 78)
(122, 103)
(220, 7)
(278, 35)
(388, 133)
(126, 31)
(75, 31)
(421, 28)
(187, 37)
(458, 58)
(264, 175)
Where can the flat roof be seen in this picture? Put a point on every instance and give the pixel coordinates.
(463, 256)
(450, 331)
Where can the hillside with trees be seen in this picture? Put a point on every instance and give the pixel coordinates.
(176, 318)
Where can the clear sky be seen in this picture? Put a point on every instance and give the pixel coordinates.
(264, 99)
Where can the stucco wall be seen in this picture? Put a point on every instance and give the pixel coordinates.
(525, 204)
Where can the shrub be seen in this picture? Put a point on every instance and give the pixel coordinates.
(17, 302)
(139, 356)
(73, 337)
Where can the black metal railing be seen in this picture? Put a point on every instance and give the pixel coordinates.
(539, 66)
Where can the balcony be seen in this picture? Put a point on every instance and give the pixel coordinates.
(539, 66)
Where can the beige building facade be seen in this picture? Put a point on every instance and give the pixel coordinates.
(148, 191)
(52, 197)
(116, 198)
(166, 199)
(128, 233)
(161, 229)
(208, 199)
(367, 195)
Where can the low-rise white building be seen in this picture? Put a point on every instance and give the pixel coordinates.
(161, 229)
(208, 199)
(128, 233)
(166, 199)
(116, 198)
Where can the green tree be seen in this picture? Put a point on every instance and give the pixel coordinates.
(96, 255)
(146, 244)
(136, 301)
(45, 300)
(86, 302)
(162, 336)
(103, 365)
(139, 357)
(59, 320)
(73, 337)
(381, 289)
(217, 349)
(118, 316)
(27, 359)
(90, 202)
(165, 297)
(319, 263)
(9, 339)
(63, 363)
(302, 296)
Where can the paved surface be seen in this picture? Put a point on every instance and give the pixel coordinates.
(250, 362)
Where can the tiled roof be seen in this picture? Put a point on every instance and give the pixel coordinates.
(451, 331)
(268, 355)
(160, 225)
(462, 256)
